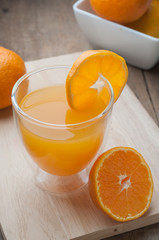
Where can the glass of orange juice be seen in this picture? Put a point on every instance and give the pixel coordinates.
(61, 141)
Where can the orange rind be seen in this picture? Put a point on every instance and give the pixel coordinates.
(121, 184)
(84, 84)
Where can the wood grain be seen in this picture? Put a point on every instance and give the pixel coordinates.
(28, 213)
(137, 81)
(152, 85)
(39, 29)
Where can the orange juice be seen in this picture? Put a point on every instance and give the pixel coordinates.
(55, 144)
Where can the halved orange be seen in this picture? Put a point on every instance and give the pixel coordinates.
(121, 184)
(83, 80)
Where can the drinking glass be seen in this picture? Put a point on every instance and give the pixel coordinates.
(63, 153)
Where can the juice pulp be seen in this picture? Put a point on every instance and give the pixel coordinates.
(60, 150)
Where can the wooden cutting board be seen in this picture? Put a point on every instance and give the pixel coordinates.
(27, 213)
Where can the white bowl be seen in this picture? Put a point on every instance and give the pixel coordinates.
(138, 49)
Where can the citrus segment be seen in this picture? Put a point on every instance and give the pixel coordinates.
(87, 71)
(89, 96)
(121, 184)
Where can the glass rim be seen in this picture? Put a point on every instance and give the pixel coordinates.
(52, 125)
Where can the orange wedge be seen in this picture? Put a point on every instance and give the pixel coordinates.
(84, 83)
(121, 184)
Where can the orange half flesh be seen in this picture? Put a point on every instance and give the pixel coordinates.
(121, 184)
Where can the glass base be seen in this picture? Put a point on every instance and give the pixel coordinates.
(60, 184)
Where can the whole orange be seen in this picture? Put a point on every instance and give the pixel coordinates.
(12, 67)
(149, 23)
(124, 11)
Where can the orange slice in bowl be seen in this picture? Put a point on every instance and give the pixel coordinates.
(121, 184)
(84, 82)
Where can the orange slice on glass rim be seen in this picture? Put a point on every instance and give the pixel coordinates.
(85, 81)
(121, 184)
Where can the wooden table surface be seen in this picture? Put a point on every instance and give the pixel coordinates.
(40, 29)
